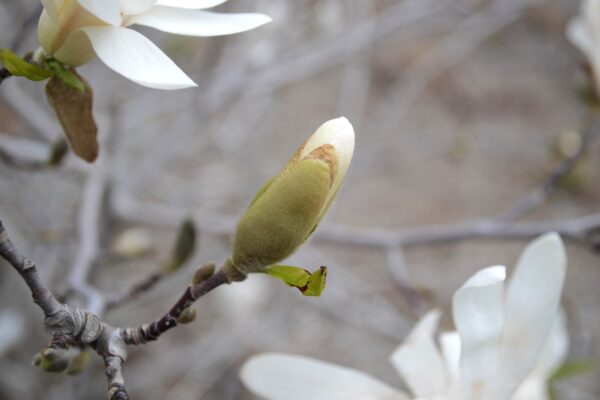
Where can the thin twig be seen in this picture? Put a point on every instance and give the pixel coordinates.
(42, 296)
(143, 286)
(11, 160)
(25, 28)
(152, 331)
(540, 194)
(400, 274)
(453, 49)
(114, 376)
(71, 325)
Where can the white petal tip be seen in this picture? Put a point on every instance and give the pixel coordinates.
(265, 19)
(552, 237)
(340, 126)
(487, 277)
(550, 241)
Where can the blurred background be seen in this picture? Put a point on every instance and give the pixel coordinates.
(461, 108)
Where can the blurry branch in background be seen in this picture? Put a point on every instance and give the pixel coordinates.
(88, 232)
(322, 54)
(26, 27)
(21, 34)
(183, 248)
(584, 230)
(32, 156)
(540, 194)
(453, 48)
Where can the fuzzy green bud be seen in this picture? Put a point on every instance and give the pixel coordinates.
(286, 211)
(52, 360)
(203, 273)
(78, 363)
(188, 315)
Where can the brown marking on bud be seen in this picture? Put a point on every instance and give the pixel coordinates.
(327, 154)
(298, 154)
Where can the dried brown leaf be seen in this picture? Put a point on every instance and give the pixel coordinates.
(74, 111)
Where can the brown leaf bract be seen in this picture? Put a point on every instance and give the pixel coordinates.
(74, 111)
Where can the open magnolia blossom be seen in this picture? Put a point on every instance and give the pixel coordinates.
(73, 31)
(509, 339)
(584, 32)
(287, 210)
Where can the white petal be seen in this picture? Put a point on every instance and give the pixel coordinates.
(76, 50)
(275, 376)
(579, 34)
(108, 11)
(532, 302)
(450, 344)
(553, 355)
(190, 4)
(418, 360)
(52, 7)
(478, 310)
(130, 7)
(451, 348)
(590, 12)
(47, 28)
(135, 57)
(197, 23)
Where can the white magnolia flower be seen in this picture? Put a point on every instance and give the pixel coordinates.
(584, 32)
(508, 341)
(73, 31)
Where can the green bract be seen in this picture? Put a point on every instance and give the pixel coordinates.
(289, 207)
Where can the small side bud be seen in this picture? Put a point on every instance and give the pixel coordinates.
(52, 360)
(184, 246)
(78, 363)
(203, 273)
(188, 315)
(74, 110)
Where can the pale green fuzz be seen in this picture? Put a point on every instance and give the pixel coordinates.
(281, 217)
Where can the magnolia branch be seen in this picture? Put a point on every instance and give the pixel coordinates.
(28, 271)
(142, 286)
(540, 194)
(152, 331)
(70, 325)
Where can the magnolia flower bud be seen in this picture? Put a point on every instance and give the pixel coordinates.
(289, 207)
